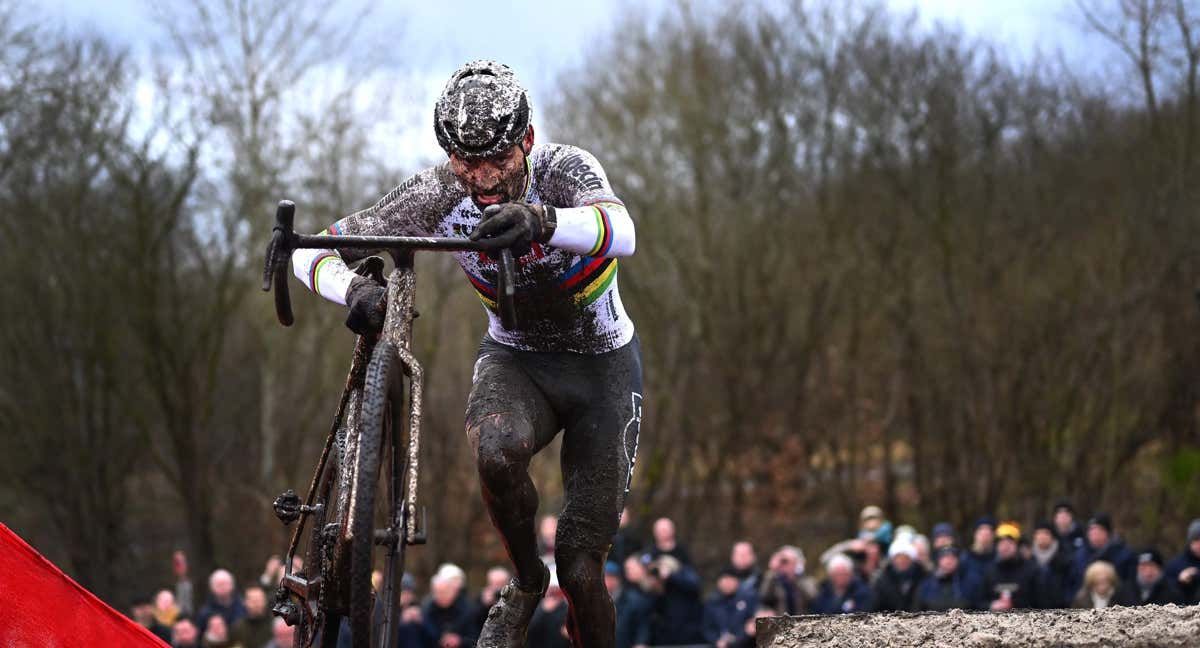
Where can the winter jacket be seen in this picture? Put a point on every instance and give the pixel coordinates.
(1054, 581)
(678, 611)
(973, 567)
(1017, 576)
(1190, 591)
(635, 610)
(896, 591)
(459, 619)
(943, 592)
(1161, 593)
(545, 629)
(726, 615)
(232, 612)
(787, 596)
(856, 598)
(1115, 553)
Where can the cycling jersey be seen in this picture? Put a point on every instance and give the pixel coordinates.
(567, 297)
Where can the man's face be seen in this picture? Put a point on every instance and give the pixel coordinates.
(444, 593)
(1097, 536)
(184, 633)
(143, 613)
(1006, 548)
(872, 524)
(948, 563)
(1194, 546)
(901, 562)
(1042, 539)
(840, 577)
(216, 630)
(222, 586)
(1148, 572)
(495, 179)
(497, 577)
(664, 532)
(727, 584)
(256, 602)
(943, 540)
(1063, 520)
(985, 535)
(611, 582)
(164, 600)
(742, 556)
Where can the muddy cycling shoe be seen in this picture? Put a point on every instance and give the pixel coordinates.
(508, 620)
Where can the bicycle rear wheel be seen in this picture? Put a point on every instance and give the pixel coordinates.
(373, 614)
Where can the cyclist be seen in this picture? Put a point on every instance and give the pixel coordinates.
(574, 363)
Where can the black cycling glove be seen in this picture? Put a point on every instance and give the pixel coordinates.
(366, 299)
(516, 225)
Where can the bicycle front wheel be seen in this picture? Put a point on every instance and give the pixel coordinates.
(375, 520)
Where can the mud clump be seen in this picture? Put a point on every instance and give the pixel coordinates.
(1123, 627)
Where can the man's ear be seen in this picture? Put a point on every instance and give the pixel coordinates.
(527, 141)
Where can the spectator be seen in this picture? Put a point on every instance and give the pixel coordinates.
(979, 556)
(1102, 544)
(548, 628)
(1054, 567)
(1184, 569)
(546, 535)
(943, 535)
(184, 596)
(216, 634)
(744, 563)
(141, 610)
(1148, 586)
(222, 600)
(282, 635)
(497, 578)
(841, 592)
(665, 542)
(896, 588)
(450, 619)
(165, 609)
(626, 542)
(872, 525)
(412, 629)
(254, 629)
(945, 588)
(184, 633)
(726, 611)
(873, 551)
(1011, 580)
(785, 588)
(924, 551)
(1099, 585)
(751, 630)
(1070, 536)
(676, 588)
(635, 606)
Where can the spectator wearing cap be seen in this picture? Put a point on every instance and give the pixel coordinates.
(1070, 535)
(1149, 587)
(448, 614)
(1011, 580)
(944, 589)
(1100, 583)
(1184, 569)
(978, 558)
(1103, 544)
(842, 592)
(726, 611)
(895, 590)
(744, 563)
(873, 525)
(634, 604)
(943, 535)
(1054, 567)
(548, 627)
(785, 587)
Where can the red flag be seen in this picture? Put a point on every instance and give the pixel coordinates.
(41, 607)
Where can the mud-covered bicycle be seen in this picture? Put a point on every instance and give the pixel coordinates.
(342, 518)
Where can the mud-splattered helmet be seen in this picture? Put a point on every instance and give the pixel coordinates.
(483, 111)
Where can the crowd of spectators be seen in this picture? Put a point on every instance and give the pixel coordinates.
(659, 595)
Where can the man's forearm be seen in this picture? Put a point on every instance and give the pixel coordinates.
(323, 272)
(602, 229)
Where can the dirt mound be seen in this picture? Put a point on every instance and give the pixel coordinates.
(1125, 627)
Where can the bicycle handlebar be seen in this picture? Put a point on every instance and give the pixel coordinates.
(284, 241)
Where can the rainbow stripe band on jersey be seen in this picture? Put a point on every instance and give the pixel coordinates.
(604, 234)
(321, 260)
(587, 279)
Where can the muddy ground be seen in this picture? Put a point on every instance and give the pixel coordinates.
(1119, 626)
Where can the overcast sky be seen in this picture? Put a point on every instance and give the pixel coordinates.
(549, 36)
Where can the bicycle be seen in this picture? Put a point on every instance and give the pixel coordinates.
(341, 509)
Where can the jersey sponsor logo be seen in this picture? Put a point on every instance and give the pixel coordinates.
(581, 172)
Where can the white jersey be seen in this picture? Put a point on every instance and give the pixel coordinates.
(567, 298)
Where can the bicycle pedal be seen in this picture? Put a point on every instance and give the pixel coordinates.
(287, 507)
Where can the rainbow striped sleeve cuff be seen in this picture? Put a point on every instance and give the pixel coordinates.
(600, 229)
(323, 272)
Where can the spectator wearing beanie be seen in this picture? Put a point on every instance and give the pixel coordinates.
(872, 525)
(1066, 529)
(944, 588)
(1011, 580)
(1184, 569)
(943, 535)
(895, 589)
(978, 558)
(1149, 587)
(1103, 544)
(1054, 568)
(726, 611)
(842, 592)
